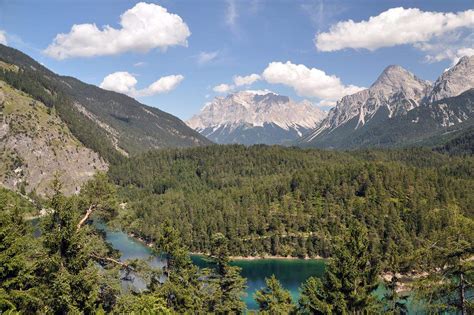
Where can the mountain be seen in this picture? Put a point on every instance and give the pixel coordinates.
(35, 144)
(398, 109)
(253, 117)
(454, 81)
(462, 143)
(110, 123)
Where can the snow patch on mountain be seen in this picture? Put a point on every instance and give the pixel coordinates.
(249, 109)
(256, 108)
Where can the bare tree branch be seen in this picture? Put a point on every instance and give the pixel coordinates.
(86, 217)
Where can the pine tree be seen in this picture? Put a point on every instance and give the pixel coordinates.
(182, 290)
(349, 280)
(229, 285)
(274, 299)
(17, 292)
(450, 268)
(394, 302)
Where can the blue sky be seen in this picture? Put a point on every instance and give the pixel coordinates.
(296, 48)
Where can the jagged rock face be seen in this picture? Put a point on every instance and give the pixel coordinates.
(399, 109)
(454, 81)
(35, 144)
(252, 117)
(396, 89)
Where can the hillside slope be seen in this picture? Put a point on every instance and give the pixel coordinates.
(125, 124)
(35, 144)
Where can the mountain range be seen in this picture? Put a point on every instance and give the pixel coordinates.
(399, 109)
(52, 123)
(255, 117)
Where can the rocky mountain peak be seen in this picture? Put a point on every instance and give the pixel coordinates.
(454, 81)
(395, 78)
(256, 109)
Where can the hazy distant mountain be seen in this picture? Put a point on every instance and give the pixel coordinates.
(252, 117)
(106, 121)
(398, 109)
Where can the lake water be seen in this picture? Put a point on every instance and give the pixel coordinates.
(290, 272)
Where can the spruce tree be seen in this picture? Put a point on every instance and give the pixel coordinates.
(450, 268)
(350, 278)
(274, 299)
(229, 285)
(182, 289)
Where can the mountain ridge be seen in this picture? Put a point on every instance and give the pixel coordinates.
(254, 117)
(395, 93)
(137, 127)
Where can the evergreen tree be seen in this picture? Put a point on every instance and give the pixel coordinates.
(349, 280)
(274, 299)
(17, 249)
(229, 285)
(182, 290)
(449, 284)
(394, 302)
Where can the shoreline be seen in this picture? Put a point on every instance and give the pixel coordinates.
(404, 285)
(238, 257)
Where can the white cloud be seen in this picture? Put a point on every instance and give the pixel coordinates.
(205, 57)
(327, 103)
(393, 27)
(246, 80)
(139, 64)
(124, 82)
(3, 37)
(451, 46)
(144, 27)
(231, 15)
(163, 85)
(238, 81)
(223, 88)
(309, 82)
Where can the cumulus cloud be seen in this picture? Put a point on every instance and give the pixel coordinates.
(205, 57)
(393, 27)
(309, 82)
(327, 103)
(144, 27)
(124, 82)
(246, 80)
(223, 88)
(3, 37)
(238, 81)
(451, 46)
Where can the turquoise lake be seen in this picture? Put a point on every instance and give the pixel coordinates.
(290, 272)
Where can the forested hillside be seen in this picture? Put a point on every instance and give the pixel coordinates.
(286, 201)
(110, 123)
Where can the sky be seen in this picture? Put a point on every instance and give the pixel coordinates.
(178, 55)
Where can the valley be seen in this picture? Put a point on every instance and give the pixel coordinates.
(249, 159)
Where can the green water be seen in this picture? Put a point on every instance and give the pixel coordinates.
(291, 273)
